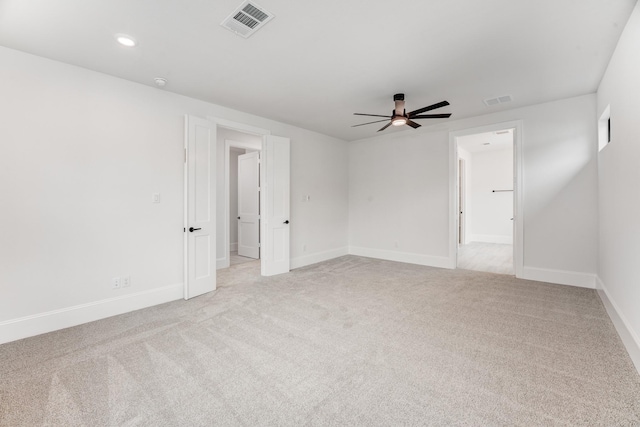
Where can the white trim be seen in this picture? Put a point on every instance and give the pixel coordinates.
(305, 260)
(560, 277)
(185, 214)
(629, 337)
(488, 238)
(233, 247)
(41, 323)
(228, 144)
(223, 262)
(241, 127)
(518, 187)
(410, 258)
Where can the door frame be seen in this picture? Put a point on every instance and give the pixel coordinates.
(252, 130)
(228, 144)
(240, 127)
(518, 193)
(462, 201)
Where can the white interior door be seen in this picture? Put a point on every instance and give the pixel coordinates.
(275, 190)
(200, 206)
(249, 205)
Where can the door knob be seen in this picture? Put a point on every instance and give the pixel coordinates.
(238, 217)
(286, 222)
(191, 229)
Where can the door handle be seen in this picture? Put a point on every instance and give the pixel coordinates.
(286, 222)
(191, 229)
(238, 217)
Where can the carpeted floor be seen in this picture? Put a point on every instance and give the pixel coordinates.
(489, 257)
(351, 341)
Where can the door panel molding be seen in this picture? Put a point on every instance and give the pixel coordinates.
(200, 147)
(249, 205)
(275, 200)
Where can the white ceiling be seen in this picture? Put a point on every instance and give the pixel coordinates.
(318, 62)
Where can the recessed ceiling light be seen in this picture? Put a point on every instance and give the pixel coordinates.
(126, 40)
(160, 82)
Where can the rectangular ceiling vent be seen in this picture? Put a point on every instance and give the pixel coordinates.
(498, 100)
(247, 19)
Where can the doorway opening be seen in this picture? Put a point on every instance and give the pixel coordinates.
(487, 229)
(244, 204)
(206, 194)
(241, 197)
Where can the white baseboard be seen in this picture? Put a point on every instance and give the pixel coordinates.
(223, 262)
(488, 238)
(28, 326)
(318, 257)
(410, 258)
(629, 337)
(233, 247)
(560, 277)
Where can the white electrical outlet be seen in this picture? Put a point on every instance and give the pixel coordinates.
(155, 197)
(116, 283)
(304, 248)
(126, 281)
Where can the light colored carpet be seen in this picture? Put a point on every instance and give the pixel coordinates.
(351, 341)
(235, 259)
(489, 257)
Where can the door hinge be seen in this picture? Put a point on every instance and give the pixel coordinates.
(184, 230)
(259, 245)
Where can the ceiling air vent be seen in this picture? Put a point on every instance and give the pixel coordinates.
(498, 100)
(247, 19)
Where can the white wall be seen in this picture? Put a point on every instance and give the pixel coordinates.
(399, 191)
(491, 211)
(81, 155)
(619, 175)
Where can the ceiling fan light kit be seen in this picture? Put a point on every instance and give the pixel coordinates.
(400, 117)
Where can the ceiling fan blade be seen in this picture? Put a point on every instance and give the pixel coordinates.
(362, 124)
(429, 108)
(385, 126)
(413, 124)
(432, 116)
(372, 115)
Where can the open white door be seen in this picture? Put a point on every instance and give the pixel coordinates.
(249, 205)
(200, 206)
(275, 190)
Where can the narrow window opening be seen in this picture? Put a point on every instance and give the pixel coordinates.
(604, 128)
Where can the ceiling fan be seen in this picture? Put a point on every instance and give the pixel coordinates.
(400, 117)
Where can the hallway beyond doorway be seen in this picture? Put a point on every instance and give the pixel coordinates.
(489, 257)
